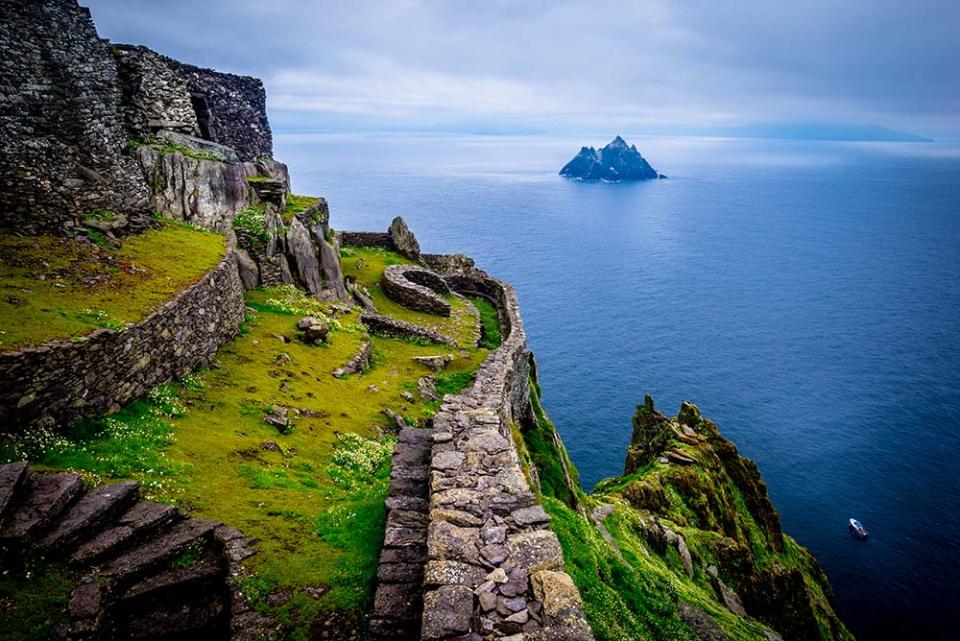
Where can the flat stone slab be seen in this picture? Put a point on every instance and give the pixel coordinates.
(160, 549)
(93, 508)
(11, 477)
(42, 499)
(137, 522)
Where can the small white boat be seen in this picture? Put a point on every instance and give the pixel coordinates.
(857, 530)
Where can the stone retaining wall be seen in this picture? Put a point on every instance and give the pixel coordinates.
(61, 382)
(379, 240)
(416, 288)
(389, 326)
(493, 569)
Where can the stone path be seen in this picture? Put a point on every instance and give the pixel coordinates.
(398, 603)
(145, 570)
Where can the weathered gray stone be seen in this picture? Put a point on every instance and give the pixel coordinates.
(304, 257)
(536, 550)
(403, 239)
(532, 515)
(450, 542)
(447, 611)
(452, 573)
(248, 270)
(557, 593)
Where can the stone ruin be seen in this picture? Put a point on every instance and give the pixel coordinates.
(73, 107)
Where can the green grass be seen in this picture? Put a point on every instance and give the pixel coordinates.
(316, 505)
(33, 599)
(54, 287)
(296, 205)
(489, 323)
(169, 147)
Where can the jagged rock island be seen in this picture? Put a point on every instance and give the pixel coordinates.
(223, 418)
(617, 162)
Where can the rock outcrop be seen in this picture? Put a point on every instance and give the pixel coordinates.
(614, 163)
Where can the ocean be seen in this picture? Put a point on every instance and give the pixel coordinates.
(805, 295)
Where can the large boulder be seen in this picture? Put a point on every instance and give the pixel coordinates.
(300, 249)
(330, 270)
(248, 270)
(403, 239)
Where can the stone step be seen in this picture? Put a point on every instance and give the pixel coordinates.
(136, 524)
(37, 505)
(11, 478)
(181, 619)
(199, 578)
(160, 549)
(95, 508)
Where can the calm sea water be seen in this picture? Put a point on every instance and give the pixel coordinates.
(806, 295)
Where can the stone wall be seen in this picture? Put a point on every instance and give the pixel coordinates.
(378, 240)
(154, 96)
(231, 109)
(416, 288)
(494, 568)
(62, 132)
(491, 568)
(70, 104)
(61, 382)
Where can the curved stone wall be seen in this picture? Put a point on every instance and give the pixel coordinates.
(62, 382)
(416, 288)
(478, 560)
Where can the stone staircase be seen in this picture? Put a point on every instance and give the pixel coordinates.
(145, 571)
(398, 604)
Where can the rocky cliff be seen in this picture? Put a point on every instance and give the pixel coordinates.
(686, 544)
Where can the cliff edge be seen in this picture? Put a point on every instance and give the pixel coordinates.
(686, 544)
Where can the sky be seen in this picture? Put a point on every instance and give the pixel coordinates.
(558, 66)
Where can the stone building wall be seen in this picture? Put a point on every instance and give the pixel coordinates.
(70, 104)
(378, 240)
(61, 127)
(64, 381)
(231, 109)
(154, 96)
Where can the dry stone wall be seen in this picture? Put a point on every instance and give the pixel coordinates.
(491, 568)
(154, 96)
(231, 109)
(70, 104)
(416, 288)
(64, 381)
(61, 127)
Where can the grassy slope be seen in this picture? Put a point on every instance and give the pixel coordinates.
(295, 205)
(629, 590)
(52, 287)
(316, 505)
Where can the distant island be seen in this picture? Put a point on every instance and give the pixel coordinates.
(616, 162)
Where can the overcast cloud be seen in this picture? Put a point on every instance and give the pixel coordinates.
(567, 65)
